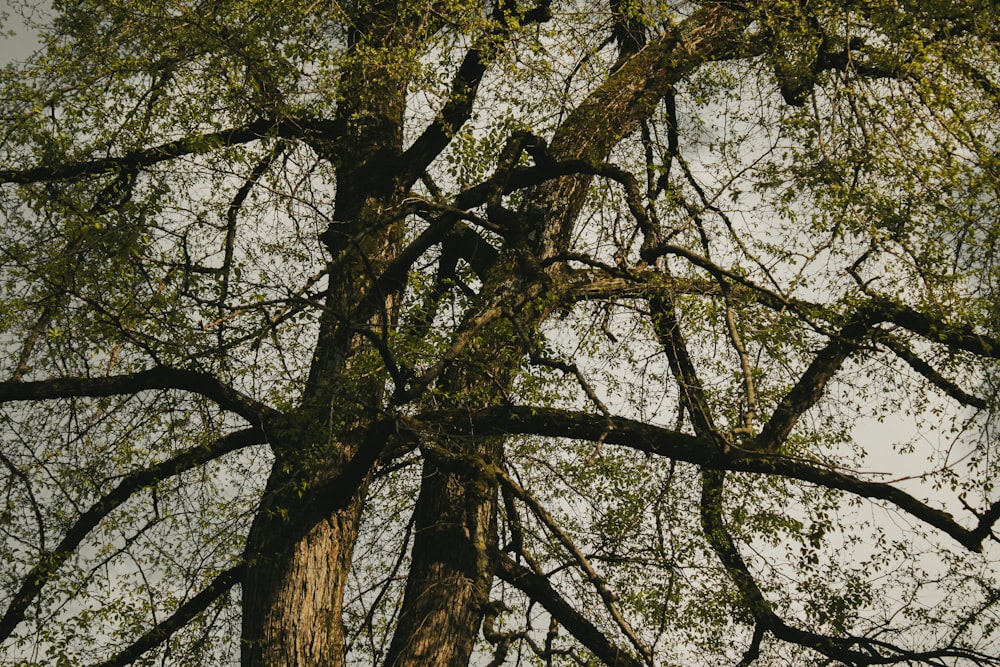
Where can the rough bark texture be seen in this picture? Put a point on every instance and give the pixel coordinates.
(454, 530)
(450, 574)
(293, 595)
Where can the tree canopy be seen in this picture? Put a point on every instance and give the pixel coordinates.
(442, 333)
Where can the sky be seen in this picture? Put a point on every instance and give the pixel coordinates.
(22, 42)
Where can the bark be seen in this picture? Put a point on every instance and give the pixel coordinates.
(293, 598)
(300, 546)
(451, 571)
(302, 540)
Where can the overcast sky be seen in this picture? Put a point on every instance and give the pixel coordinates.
(24, 40)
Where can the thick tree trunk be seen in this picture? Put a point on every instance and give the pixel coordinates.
(300, 546)
(293, 592)
(451, 572)
(455, 522)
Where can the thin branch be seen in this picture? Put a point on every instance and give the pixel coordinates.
(877, 308)
(600, 586)
(232, 213)
(737, 341)
(197, 144)
(852, 650)
(26, 481)
(568, 368)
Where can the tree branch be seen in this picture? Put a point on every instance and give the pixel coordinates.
(50, 561)
(202, 384)
(852, 650)
(714, 526)
(606, 595)
(539, 588)
(938, 331)
(165, 628)
(903, 351)
(652, 439)
(809, 388)
(146, 157)
(464, 88)
(674, 345)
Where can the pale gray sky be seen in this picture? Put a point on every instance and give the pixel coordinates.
(24, 40)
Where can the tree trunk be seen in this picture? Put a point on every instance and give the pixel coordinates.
(455, 522)
(300, 546)
(451, 572)
(293, 593)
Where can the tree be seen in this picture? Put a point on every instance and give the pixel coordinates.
(410, 333)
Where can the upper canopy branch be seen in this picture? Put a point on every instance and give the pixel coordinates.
(465, 86)
(190, 145)
(881, 309)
